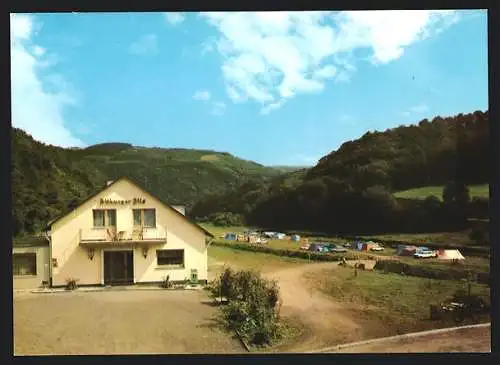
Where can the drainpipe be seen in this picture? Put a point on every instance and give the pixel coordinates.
(49, 238)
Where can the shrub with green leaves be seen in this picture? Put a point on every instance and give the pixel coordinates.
(253, 305)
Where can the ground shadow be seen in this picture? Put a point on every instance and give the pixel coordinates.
(210, 303)
(215, 323)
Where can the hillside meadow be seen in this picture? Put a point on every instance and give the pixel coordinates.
(476, 191)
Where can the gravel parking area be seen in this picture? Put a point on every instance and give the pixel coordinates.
(118, 322)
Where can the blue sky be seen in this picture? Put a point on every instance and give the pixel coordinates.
(279, 88)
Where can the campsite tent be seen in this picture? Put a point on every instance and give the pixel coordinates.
(359, 246)
(295, 238)
(280, 236)
(450, 255)
(230, 236)
(368, 245)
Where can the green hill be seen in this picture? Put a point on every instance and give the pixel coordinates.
(479, 191)
(45, 179)
(351, 189)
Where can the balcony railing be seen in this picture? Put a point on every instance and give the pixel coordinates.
(114, 235)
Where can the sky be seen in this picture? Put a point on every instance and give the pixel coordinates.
(278, 88)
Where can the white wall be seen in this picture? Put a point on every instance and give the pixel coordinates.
(73, 261)
(42, 269)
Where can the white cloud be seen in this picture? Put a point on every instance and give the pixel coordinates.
(273, 106)
(35, 109)
(174, 18)
(202, 95)
(327, 72)
(147, 45)
(218, 108)
(208, 46)
(347, 120)
(421, 108)
(417, 109)
(38, 51)
(269, 56)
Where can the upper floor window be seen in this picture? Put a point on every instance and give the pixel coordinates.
(104, 217)
(144, 217)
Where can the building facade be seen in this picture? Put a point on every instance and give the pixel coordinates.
(30, 264)
(125, 235)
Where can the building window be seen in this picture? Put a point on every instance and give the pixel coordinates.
(137, 217)
(145, 218)
(24, 264)
(170, 258)
(104, 217)
(111, 218)
(149, 218)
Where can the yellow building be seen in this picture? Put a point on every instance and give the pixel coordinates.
(30, 263)
(125, 235)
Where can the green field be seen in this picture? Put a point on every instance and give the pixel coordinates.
(251, 260)
(220, 231)
(402, 302)
(480, 191)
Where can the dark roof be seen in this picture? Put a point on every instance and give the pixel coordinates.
(30, 241)
(49, 225)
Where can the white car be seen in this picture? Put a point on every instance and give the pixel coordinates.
(425, 254)
(377, 248)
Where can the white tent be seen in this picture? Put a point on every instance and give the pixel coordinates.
(450, 255)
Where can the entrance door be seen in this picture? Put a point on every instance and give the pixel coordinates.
(118, 267)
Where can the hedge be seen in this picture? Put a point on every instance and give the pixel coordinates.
(307, 255)
(471, 251)
(440, 273)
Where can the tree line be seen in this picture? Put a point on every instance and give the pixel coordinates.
(351, 190)
(48, 181)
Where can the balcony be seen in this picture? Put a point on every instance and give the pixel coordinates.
(101, 237)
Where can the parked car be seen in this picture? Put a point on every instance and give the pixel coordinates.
(377, 248)
(336, 248)
(425, 254)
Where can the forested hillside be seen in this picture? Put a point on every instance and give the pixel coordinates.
(351, 189)
(46, 179)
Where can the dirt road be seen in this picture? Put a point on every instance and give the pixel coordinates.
(325, 321)
(329, 323)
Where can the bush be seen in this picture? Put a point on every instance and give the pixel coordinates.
(439, 273)
(71, 284)
(166, 283)
(479, 236)
(253, 305)
(306, 255)
(226, 219)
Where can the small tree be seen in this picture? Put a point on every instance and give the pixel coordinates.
(253, 305)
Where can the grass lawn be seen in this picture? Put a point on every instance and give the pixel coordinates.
(456, 239)
(400, 302)
(220, 231)
(475, 264)
(481, 191)
(251, 260)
